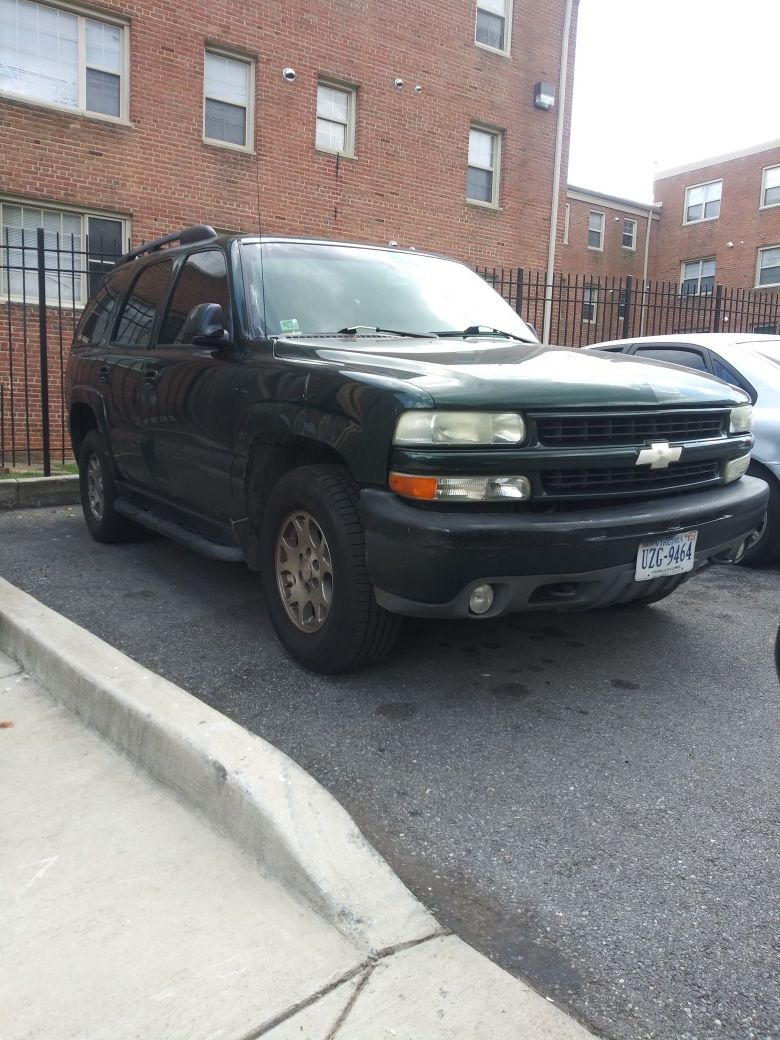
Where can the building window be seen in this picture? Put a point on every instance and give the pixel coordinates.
(590, 302)
(770, 187)
(484, 160)
(622, 303)
(494, 20)
(596, 231)
(698, 277)
(57, 57)
(702, 202)
(769, 266)
(78, 250)
(335, 119)
(629, 234)
(228, 100)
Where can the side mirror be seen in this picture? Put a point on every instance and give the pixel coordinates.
(204, 326)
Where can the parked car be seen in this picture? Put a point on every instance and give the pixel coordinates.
(751, 362)
(379, 434)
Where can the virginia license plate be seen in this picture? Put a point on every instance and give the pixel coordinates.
(659, 557)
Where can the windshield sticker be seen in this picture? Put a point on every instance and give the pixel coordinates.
(289, 325)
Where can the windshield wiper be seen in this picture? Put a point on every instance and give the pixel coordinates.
(478, 330)
(353, 330)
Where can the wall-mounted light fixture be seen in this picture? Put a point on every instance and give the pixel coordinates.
(544, 96)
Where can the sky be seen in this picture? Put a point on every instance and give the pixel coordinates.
(663, 83)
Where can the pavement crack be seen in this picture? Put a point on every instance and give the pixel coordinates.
(350, 1003)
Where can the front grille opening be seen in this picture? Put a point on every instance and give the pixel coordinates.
(623, 479)
(571, 431)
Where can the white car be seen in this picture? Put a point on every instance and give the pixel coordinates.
(751, 362)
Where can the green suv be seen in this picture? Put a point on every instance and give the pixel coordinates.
(379, 434)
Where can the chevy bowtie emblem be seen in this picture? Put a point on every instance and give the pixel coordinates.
(658, 456)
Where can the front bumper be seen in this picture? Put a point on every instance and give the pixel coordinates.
(425, 562)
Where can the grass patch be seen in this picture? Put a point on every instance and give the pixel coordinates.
(22, 472)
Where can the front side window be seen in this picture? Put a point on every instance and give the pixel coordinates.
(493, 24)
(78, 249)
(769, 266)
(697, 277)
(335, 119)
(595, 231)
(484, 157)
(629, 234)
(227, 104)
(203, 279)
(142, 304)
(770, 187)
(590, 302)
(56, 57)
(702, 202)
(674, 356)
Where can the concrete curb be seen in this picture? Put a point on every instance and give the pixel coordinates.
(250, 791)
(62, 490)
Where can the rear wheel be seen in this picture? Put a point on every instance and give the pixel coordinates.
(98, 493)
(315, 575)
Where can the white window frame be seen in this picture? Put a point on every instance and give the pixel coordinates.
(497, 134)
(766, 285)
(506, 50)
(634, 225)
(701, 261)
(590, 298)
(686, 205)
(84, 14)
(244, 59)
(63, 301)
(763, 203)
(349, 136)
(600, 247)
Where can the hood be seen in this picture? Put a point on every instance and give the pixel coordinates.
(492, 373)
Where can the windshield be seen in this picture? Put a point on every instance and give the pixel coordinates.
(300, 288)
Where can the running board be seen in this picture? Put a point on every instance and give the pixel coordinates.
(177, 533)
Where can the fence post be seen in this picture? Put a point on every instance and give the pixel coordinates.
(718, 308)
(44, 350)
(625, 332)
(519, 293)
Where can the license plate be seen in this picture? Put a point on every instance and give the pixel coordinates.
(659, 557)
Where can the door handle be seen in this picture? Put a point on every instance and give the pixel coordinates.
(104, 373)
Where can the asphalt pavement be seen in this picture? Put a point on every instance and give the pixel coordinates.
(591, 800)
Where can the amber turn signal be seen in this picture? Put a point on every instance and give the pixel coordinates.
(413, 487)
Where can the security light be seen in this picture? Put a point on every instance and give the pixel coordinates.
(544, 96)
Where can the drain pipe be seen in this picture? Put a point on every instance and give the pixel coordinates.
(562, 85)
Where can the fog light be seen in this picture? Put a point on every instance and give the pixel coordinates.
(481, 599)
(734, 469)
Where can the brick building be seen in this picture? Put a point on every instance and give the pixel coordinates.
(720, 222)
(606, 236)
(412, 122)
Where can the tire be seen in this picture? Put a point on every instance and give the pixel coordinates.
(315, 575)
(98, 493)
(767, 548)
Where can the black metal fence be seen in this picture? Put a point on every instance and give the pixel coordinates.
(586, 310)
(45, 280)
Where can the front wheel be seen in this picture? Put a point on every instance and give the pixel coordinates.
(766, 549)
(315, 575)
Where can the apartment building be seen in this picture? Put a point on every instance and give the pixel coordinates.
(416, 122)
(721, 222)
(606, 236)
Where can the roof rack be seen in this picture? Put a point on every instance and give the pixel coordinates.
(185, 237)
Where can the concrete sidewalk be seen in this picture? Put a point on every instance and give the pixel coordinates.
(166, 875)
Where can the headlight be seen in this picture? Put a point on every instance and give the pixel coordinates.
(741, 419)
(459, 428)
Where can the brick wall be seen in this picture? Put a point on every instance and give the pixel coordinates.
(408, 182)
(613, 260)
(742, 222)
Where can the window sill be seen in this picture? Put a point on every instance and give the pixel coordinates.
(340, 155)
(64, 305)
(65, 110)
(704, 220)
(492, 206)
(493, 50)
(596, 249)
(772, 205)
(241, 149)
(768, 285)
